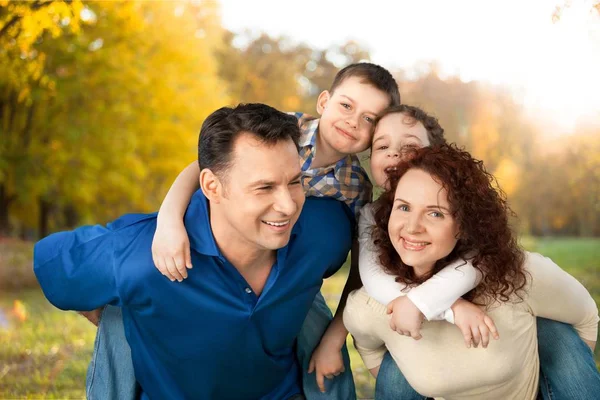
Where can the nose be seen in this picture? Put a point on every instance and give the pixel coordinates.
(392, 153)
(284, 202)
(413, 224)
(352, 121)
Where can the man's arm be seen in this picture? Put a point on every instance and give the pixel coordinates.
(76, 269)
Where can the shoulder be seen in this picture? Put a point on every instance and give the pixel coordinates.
(325, 219)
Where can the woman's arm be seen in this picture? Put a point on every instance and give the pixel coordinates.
(171, 245)
(554, 294)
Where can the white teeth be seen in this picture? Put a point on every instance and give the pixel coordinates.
(416, 243)
(278, 224)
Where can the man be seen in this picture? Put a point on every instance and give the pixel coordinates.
(228, 331)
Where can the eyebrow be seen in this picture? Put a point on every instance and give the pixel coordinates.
(387, 134)
(266, 182)
(435, 207)
(352, 101)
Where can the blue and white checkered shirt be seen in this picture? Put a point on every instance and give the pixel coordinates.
(345, 181)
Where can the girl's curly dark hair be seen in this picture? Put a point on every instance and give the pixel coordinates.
(479, 207)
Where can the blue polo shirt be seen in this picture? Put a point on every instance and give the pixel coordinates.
(209, 337)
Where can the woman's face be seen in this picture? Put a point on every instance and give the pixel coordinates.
(392, 134)
(421, 226)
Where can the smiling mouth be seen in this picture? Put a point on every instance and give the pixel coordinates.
(344, 133)
(414, 246)
(277, 224)
(390, 169)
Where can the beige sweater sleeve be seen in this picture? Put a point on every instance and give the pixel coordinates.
(357, 316)
(554, 294)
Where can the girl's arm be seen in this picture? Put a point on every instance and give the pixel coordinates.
(171, 245)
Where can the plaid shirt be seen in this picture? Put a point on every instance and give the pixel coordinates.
(345, 181)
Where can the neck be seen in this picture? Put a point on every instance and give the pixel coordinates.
(253, 263)
(421, 271)
(325, 155)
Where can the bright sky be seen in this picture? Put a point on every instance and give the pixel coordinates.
(553, 67)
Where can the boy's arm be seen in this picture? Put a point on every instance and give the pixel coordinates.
(327, 359)
(76, 269)
(171, 245)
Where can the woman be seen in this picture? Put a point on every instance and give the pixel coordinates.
(442, 206)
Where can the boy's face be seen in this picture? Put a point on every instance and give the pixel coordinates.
(394, 132)
(348, 113)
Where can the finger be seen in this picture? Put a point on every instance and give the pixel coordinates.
(329, 376)
(390, 308)
(467, 337)
(492, 327)
(180, 265)
(165, 271)
(416, 334)
(188, 257)
(311, 365)
(485, 335)
(173, 269)
(157, 263)
(321, 382)
(393, 325)
(476, 336)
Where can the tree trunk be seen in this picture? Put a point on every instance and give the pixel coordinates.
(45, 208)
(5, 201)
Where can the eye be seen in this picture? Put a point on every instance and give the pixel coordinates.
(369, 120)
(436, 214)
(295, 183)
(403, 207)
(346, 106)
(265, 188)
(382, 148)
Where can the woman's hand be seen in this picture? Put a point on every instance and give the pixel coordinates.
(326, 361)
(171, 250)
(406, 318)
(474, 324)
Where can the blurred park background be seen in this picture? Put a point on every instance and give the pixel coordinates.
(101, 104)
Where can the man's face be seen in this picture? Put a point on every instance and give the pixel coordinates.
(262, 196)
(348, 113)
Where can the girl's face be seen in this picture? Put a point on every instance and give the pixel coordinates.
(421, 226)
(394, 132)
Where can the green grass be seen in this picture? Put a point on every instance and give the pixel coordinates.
(45, 355)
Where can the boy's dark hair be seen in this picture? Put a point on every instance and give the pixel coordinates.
(435, 132)
(221, 128)
(372, 74)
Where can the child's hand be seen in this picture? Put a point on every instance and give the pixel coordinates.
(474, 324)
(406, 317)
(327, 362)
(171, 250)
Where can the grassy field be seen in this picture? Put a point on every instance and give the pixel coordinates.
(44, 352)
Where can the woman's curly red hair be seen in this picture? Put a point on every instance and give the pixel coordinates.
(479, 207)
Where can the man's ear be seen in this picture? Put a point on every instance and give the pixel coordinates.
(211, 185)
(322, 101)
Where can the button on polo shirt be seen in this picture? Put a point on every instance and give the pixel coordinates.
(210, 336)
